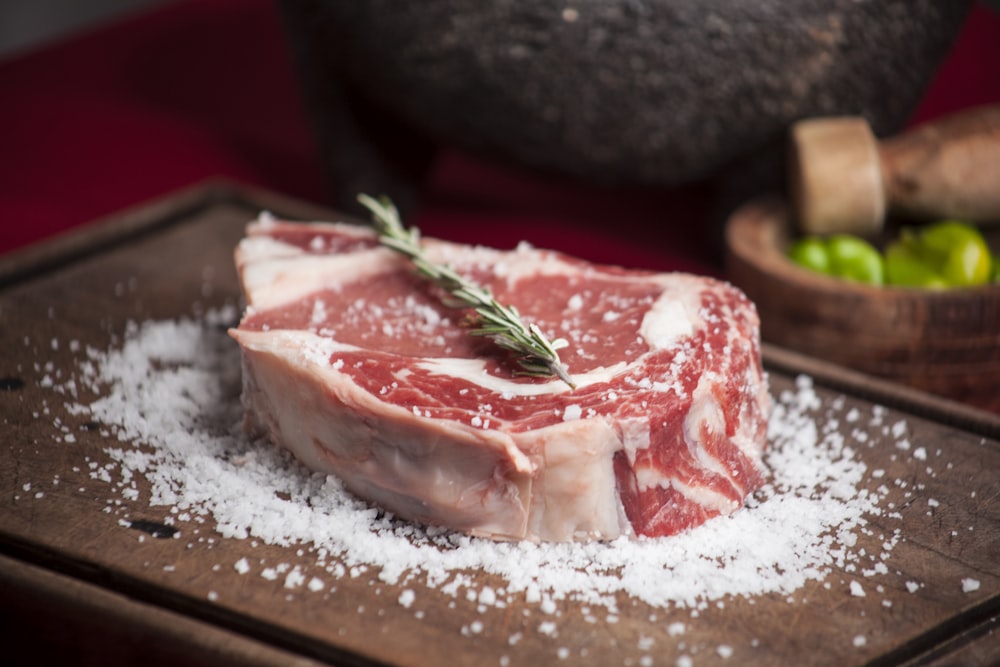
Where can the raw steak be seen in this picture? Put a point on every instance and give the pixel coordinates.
(352, 363)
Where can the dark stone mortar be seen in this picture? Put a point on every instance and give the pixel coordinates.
(615, 92)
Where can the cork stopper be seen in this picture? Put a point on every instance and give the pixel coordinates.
(835, 178)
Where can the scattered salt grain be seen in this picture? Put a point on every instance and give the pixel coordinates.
(970, 585)
(857, 590)
(860, 640)
(724, 651)
(242, 566)
(572, 412)
(487, 596)
(406, 598)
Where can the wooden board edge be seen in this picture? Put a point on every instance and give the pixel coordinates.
(971, 639)
(882, 392)
(80, 599)
(150, 216)
(62, 619)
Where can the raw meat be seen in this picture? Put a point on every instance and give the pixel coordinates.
(351, 361)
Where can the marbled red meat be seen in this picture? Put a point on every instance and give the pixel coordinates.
(351, 361)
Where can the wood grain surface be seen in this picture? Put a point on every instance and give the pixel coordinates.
(107, 591)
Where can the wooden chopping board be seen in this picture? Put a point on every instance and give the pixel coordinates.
(73, 573)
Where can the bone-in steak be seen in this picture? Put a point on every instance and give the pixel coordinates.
(351, 361)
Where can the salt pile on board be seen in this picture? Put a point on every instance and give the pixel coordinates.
(170, 395)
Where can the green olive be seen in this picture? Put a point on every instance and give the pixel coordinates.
(906, 269)
(960, 251)
(855, 259)
(810, 252)
(954, 250)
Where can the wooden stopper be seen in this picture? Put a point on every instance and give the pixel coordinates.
(835, 177)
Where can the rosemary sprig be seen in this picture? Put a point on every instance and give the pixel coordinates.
(536, 355)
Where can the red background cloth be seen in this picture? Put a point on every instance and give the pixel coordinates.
(198, 89)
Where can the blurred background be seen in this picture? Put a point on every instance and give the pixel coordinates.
(26, 24)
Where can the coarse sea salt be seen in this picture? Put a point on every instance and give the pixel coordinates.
(170, 396)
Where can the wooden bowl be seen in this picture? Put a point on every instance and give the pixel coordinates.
(943, 342)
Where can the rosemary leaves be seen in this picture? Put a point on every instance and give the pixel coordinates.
(535, 354)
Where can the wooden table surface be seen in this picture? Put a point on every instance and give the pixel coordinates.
(72, 573)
